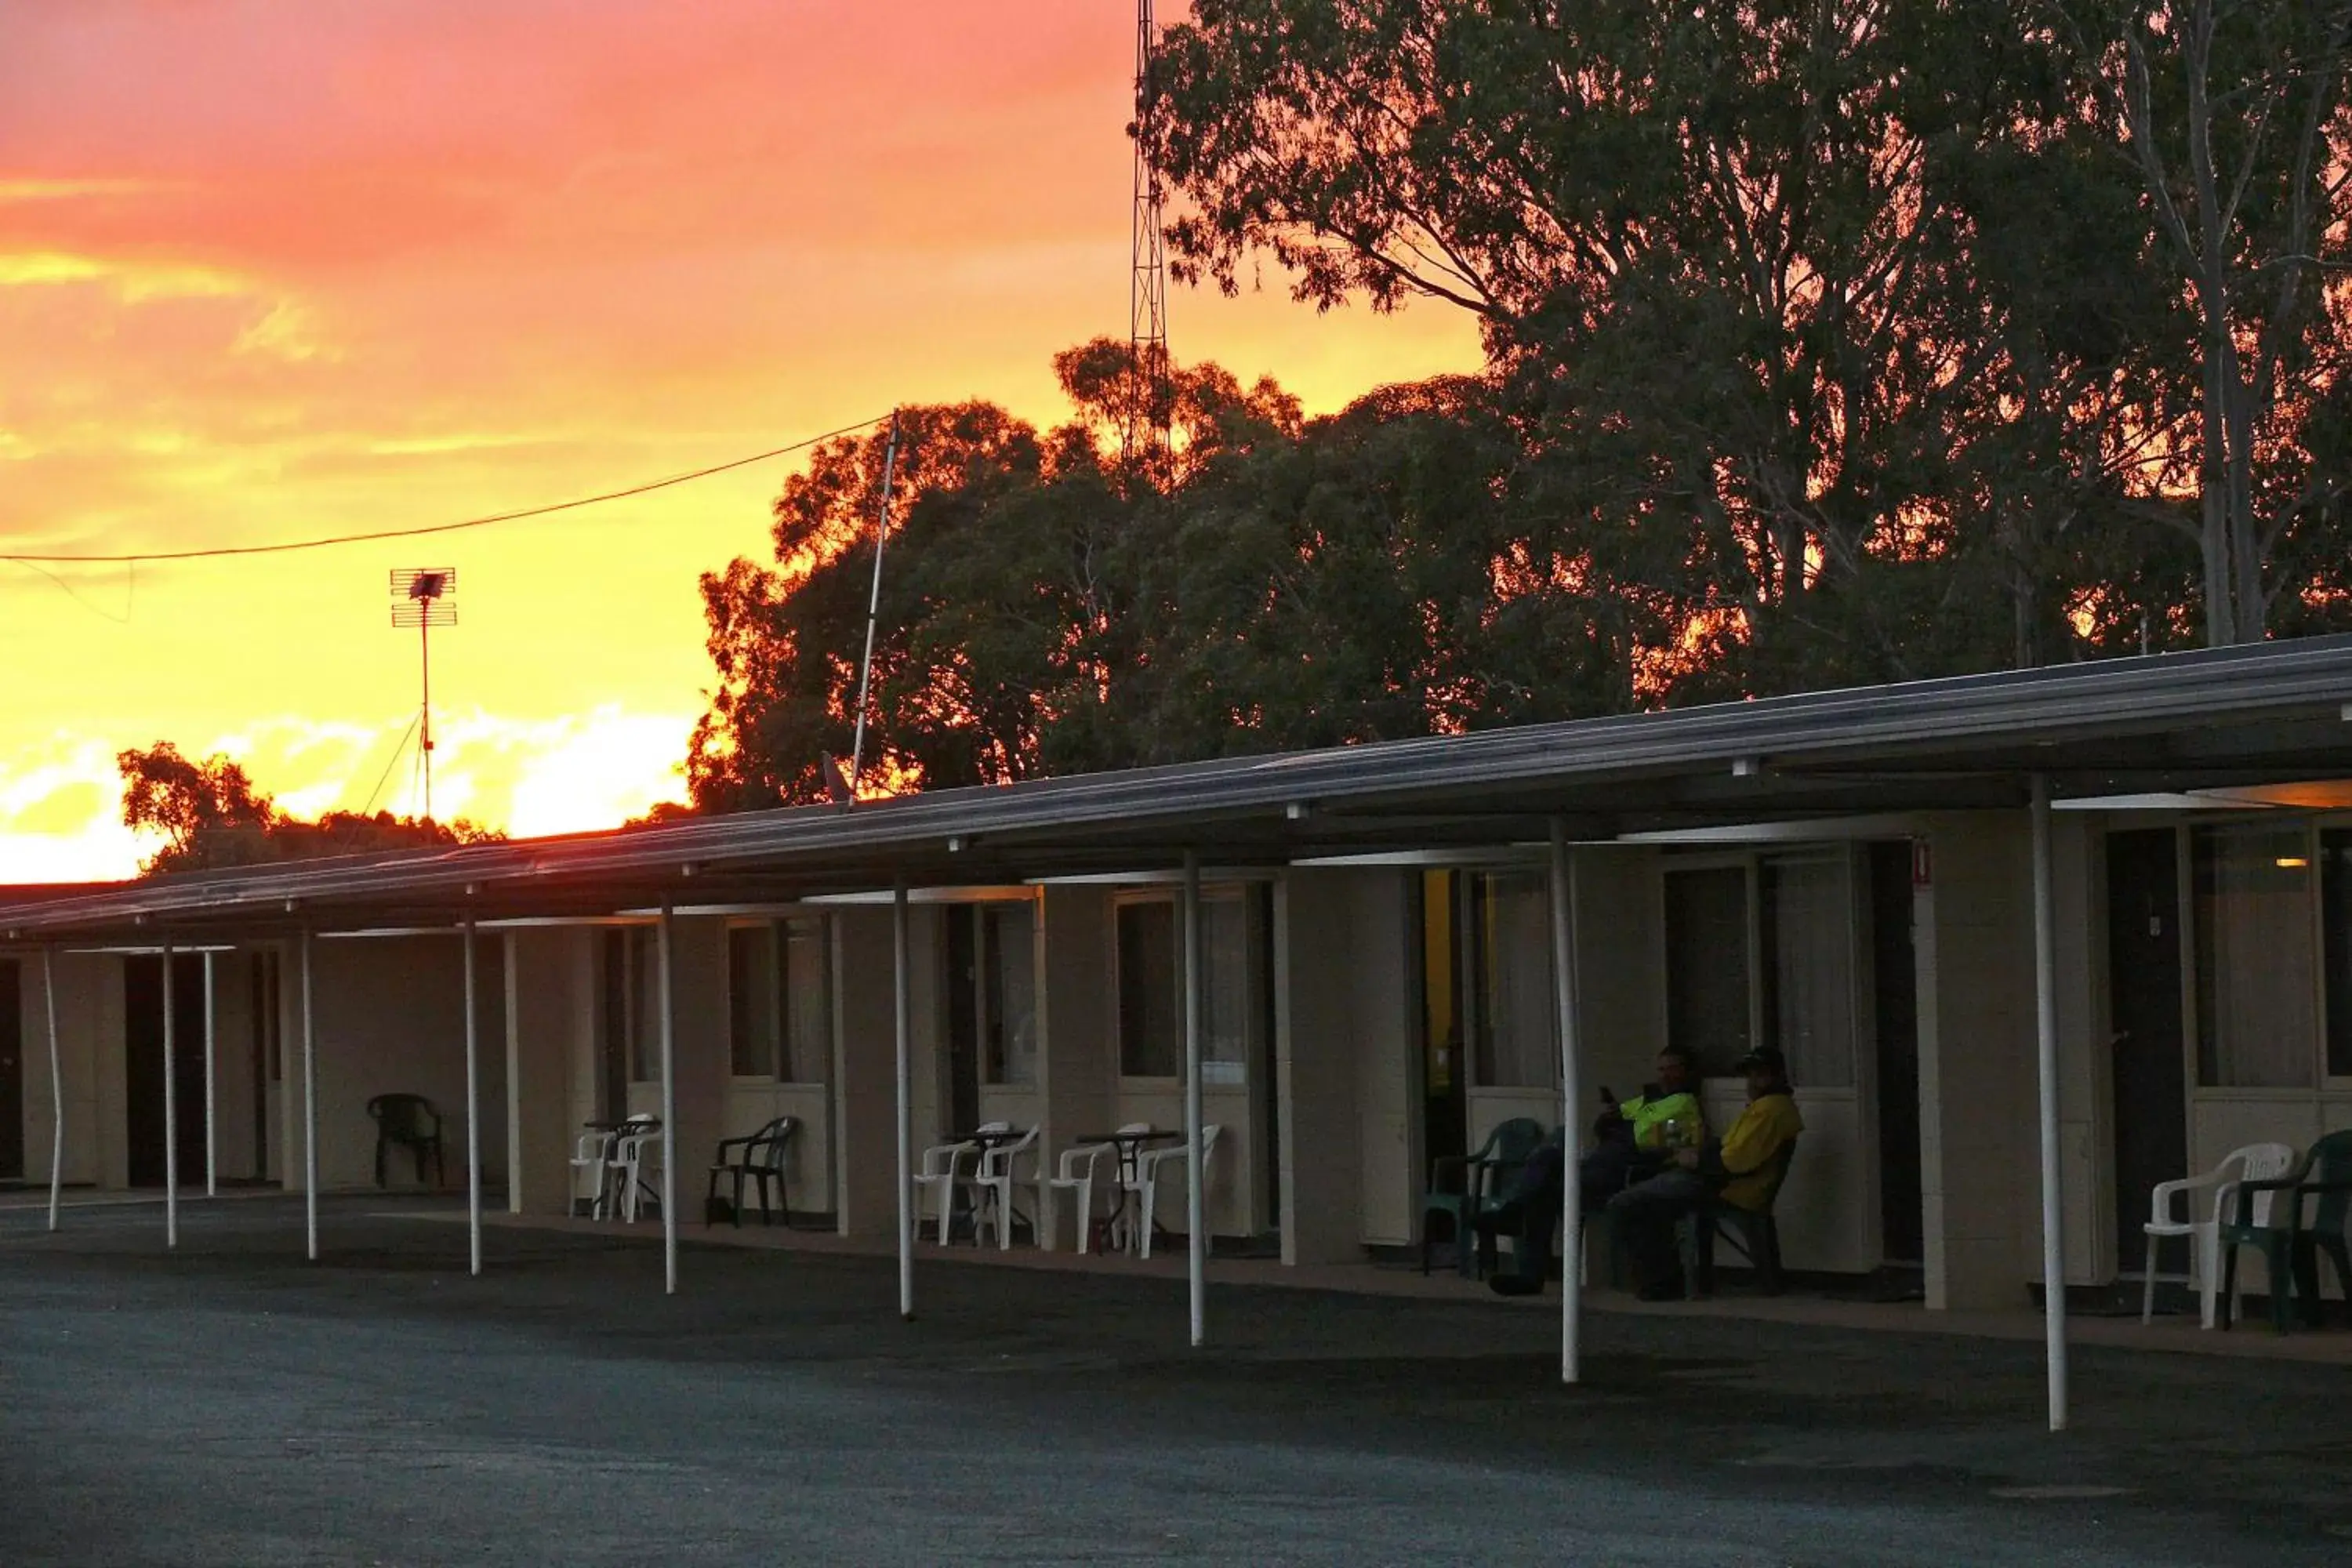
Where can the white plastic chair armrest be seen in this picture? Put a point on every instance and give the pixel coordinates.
(942, 1159)
(2159, 1202)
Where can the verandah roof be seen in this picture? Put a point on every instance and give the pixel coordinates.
(2266, 714)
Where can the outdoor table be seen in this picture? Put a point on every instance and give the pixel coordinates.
(983, 1140)
(615, 1178)
(1120, 1221)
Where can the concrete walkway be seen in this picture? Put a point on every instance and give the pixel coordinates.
(2330, 1345)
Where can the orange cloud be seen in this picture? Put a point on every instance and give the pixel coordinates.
(291, 270)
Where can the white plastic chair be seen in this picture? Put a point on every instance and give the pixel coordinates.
(636, 1164)
(940, 1169)
(592, 1167)
(1077, 1174)
(991, 1186)
(1147, 1174)
(2254, 1162)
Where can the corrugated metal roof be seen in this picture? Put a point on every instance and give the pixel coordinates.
(2273, 710)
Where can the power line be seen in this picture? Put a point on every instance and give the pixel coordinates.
(285, 546)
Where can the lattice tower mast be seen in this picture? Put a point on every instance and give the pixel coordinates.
(1146, 435)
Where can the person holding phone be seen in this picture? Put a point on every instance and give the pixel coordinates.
(1735, 1170)
(1632, 1138)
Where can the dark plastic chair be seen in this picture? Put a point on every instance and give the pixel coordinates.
(410, 1121)
(759, 1159)
(1754, 1234)
(1460, 1183)
(2292, 1251)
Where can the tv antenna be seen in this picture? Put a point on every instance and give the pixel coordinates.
(842, 790)
(423, 597)
(1149, 412)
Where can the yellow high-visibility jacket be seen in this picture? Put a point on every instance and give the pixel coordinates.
(1763, 1130)
(1650, 1117)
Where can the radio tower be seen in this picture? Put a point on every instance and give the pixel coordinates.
(1145, 439)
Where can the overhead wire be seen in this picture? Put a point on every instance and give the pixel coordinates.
(282, 547)
(71, 592)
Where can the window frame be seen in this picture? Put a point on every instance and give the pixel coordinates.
(779, 929)
(1476, 902)
(1119, 904)
(2311, 829)
(1258, 983)
(1744, 861)
(988, 1016)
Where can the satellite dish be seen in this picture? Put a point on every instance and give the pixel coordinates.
(836, 783)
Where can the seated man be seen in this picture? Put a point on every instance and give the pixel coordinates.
(1637, 1138)
(1733, 1170)
(1631, 1139)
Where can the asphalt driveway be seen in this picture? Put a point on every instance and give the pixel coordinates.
(234, 1404)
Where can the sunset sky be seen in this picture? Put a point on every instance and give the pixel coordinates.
(270, 271)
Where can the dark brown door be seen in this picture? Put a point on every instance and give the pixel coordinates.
(143, 1041)
(2151, 1113)
(1895, 981)
(964, 924)
(12, 1070)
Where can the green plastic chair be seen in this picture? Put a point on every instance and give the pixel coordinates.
(1754, 1234)
(411, 1122)
(2317, 1198)
(1459, 1183)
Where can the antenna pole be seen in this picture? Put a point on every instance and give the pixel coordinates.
(425, 731)
(873, 605)
(1145, 437)
(420, 597)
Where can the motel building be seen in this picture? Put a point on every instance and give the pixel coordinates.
(2031, 942)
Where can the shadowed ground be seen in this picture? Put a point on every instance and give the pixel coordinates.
(234, 1404)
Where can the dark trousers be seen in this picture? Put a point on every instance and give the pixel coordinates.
(1610, 1170)
(1642, 1218)
(1529, 1210)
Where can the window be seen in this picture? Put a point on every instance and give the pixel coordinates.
(1707, 965)
(1515, 1040)
(1150, 1030)
(778, 1012)
(753, 991)
(1009, 997)
(2255, 974)
(644, 1004)
(806, 1005)
(267, 1023)
(1225, 976)
(1808, 914)
(630, 1011)
(1151, 985)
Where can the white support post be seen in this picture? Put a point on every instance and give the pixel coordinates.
(1562, 882)
(905, 1109)
(473, 1111)
(310, 1108)
(511, 970)
(2045, 1017)
(170, 1110)
(1196, 1246)
(212, 1108)
(667, 998)
(57, 1085)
